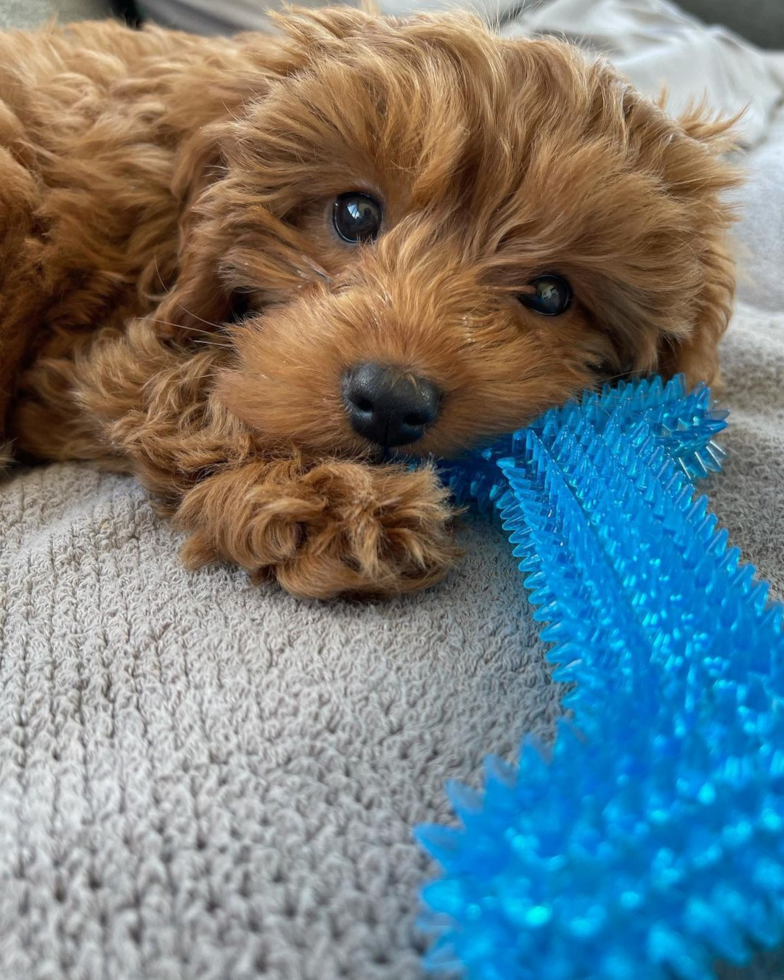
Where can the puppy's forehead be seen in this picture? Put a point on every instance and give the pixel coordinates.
(440, 114)
(525, 152)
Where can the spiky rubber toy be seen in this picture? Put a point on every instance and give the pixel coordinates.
(648, 842)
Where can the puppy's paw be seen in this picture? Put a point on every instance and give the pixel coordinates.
(334, 528)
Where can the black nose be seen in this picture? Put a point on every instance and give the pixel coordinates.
(388, 406)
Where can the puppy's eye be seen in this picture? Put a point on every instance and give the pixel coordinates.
(550, 295)
(357, 217)
(240, 306)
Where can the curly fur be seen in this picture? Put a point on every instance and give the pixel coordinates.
(152, 184)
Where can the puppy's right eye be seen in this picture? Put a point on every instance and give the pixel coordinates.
(357, 217)
(548, 295)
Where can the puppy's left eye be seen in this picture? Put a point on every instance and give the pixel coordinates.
(550, 295)
(240, 306)
(357, 217)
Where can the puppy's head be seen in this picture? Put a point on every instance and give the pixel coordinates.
(435, 234)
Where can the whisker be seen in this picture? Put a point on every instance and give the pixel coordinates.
(209, 323)
(315, 267)
(158, 271)
(613, 377)
(212, 343)
(192, 329)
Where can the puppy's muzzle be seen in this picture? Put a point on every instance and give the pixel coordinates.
(389, 406)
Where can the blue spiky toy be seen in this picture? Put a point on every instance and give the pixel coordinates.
(650, 842)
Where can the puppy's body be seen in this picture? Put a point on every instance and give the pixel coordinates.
(156, 187)
(97, 170)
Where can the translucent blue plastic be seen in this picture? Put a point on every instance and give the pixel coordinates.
(684, 423)
(648, 842)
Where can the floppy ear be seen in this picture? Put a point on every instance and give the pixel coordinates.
(207, 122)
(697, 171)
(697, 355)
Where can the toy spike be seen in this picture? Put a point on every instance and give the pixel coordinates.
(652, 842)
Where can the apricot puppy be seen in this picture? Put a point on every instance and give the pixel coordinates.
(259, 272)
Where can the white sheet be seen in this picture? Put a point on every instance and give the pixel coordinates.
(656, 45)
(760, 230)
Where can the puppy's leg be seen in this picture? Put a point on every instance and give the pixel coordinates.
(134, 400)
(321, 527)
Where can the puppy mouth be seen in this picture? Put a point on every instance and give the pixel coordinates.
(381, 455)
(397, 454)
(411, 453)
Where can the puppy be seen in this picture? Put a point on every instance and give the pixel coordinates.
(262, 272)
